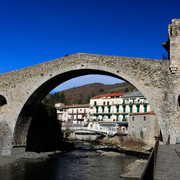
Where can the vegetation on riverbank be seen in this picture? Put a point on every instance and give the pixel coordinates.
(122, 142)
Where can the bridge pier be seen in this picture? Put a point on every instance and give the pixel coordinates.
(5, 139)
(6, 147)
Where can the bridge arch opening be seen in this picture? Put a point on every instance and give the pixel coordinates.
(178, 102)
(3, 102)
(33, 102)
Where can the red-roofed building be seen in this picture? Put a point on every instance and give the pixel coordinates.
(111, 95)
(106, 107)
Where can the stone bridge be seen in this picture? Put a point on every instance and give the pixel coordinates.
(21, 91)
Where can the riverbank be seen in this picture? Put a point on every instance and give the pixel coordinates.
(4, 160)
(135, 169)
(140, 152)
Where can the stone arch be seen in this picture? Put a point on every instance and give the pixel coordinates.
(178, 103)
(2, 100)
(25, 116)
(3, 103)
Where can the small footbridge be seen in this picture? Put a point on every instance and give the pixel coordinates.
(82, 129)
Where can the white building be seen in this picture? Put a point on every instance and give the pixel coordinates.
(117, 106)
(134, 103)
(111, 111)
(106, 107)
(75, 114)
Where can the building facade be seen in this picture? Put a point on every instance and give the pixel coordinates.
(143, 126)
(116, 107)
(75, 114)
(106, 107)
(134, 103)
(114, 113)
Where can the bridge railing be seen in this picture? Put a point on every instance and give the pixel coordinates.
(148, 173)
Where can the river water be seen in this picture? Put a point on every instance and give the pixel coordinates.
(75, 165)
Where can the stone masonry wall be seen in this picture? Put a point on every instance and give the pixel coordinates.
(25, 88)
(174, 37)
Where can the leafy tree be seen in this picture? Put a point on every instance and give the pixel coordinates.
(54, 98)
(93, 94)
(101, 90)
(80, 101)
(87, 100)
(142, 134)
(62, 98)
(126, 90)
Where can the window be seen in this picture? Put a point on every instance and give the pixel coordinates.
(132, 118)
(124, 108)
(103, 109)
(145, 107)
(117, 106)
(131, 108)
(109, 109)
(138, 107)
(96, 109)
(144, 118)
(104, 103)
(95, 103)
(124, 117)
(108, 103)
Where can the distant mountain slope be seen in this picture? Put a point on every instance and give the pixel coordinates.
(82, 94)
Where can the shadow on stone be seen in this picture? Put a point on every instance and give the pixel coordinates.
(44, 133)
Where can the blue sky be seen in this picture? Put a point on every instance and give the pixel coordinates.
(36, 31)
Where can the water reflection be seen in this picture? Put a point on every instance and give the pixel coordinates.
(75, 165)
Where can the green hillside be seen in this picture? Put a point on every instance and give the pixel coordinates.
(82, 94)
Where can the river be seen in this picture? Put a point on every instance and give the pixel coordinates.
(82, 164)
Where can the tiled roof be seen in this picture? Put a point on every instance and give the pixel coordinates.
(133, 94)
(108, 95)
(73, 106)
